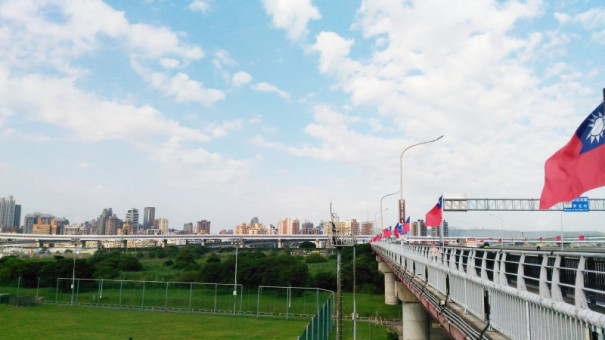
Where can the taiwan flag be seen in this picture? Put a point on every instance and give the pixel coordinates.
(579, 165)
(406, 227)
(397, 230)
(386, 233)
(434, 217)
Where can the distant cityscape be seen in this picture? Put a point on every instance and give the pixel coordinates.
(108, 223)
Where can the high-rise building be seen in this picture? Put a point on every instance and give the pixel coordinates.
(148, 217)
(421, 228)
(7, 212)
(163, 225)
(112, 225)
(342, 227)
(288, 226)
(366, 228)
(36, 218)
(242, 229)
(203, 227)
(188, 228)
(17, 220)
(132, 216)
(446, 229)
(102, 221)
(254, 220)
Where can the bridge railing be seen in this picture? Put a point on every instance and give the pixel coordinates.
(522, 294)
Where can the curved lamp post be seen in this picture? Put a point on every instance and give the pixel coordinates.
(381, 220)
(401, 202)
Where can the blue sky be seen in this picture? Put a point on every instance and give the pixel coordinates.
(226, 110)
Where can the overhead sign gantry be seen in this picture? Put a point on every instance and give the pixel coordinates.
(519, 204)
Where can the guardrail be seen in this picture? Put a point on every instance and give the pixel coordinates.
(522, 294)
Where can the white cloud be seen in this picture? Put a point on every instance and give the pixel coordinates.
(266, 87)
(29, 37)
(184, 89)
(218, 130)
(241, 78)
(592, 19)
(292, 15)
(199, 6)
(170, 63)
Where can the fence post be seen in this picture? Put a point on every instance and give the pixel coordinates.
(121, 284)
(143, 299)
(258, 302)
(215, 291)
(190, 293)
(18, 286)
(166, 297)
(57, 293)
(38, 288)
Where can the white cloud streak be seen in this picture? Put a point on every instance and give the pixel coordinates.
(266, 87)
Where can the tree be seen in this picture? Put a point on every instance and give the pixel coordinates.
(307, 245)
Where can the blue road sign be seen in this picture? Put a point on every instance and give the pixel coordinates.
(579, 204)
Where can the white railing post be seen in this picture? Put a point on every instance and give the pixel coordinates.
(580, 297)
(556, 279)
(544, 292)
(521, 274)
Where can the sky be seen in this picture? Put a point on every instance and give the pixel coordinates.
(227, 110)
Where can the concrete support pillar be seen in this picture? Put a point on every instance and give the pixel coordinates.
(124, 243)
(416, 321)
(317, 244)
(40, 244)
(279, 245)
(390, 297)
(203, 242)
(99, 244)
(164, 243)
(82, 244)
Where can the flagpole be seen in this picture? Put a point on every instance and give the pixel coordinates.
(441, 225)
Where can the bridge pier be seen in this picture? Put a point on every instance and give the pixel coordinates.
(40, 244)
(390, 297)
(203, 242)
(124, 243)
(82, 244)
(99, 244)
(279, 244)
(415, 319)
(164, 243)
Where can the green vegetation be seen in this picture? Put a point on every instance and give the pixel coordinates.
(60, 322)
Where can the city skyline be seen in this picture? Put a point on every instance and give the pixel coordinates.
(226, 110)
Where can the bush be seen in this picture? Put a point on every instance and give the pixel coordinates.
(315, 258)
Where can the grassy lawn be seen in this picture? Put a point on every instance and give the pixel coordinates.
(61, 322)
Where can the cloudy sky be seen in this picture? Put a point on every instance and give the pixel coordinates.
(226, 110)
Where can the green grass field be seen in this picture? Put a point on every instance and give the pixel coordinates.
(63, 322)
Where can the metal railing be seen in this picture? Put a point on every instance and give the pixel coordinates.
(522, 294)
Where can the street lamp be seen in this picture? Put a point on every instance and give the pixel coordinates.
(501, 228)
(381, 220)
(375, 219)
(73, 273)
(401, 201)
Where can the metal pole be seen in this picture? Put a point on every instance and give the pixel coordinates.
(401, 163)
(501, 229)
(339, 295)
(73, 274)
(235, 284)
(258, 302)
(121, 284)
(354, 298)
(166, 297)
(38, 288)
(401, 201)
(381, 219)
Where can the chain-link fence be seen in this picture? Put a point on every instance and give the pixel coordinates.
(321, 324)
(211, 298)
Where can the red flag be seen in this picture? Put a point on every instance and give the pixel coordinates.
(396, 232)
(578, 166)
(386, 232)
(435, 216)
(499, 240)
(558, 238)
(540, 239)
(582, 238)
(406, 227)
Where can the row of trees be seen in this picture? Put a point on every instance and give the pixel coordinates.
(254, 267)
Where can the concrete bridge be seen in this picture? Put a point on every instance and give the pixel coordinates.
(477, 293)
